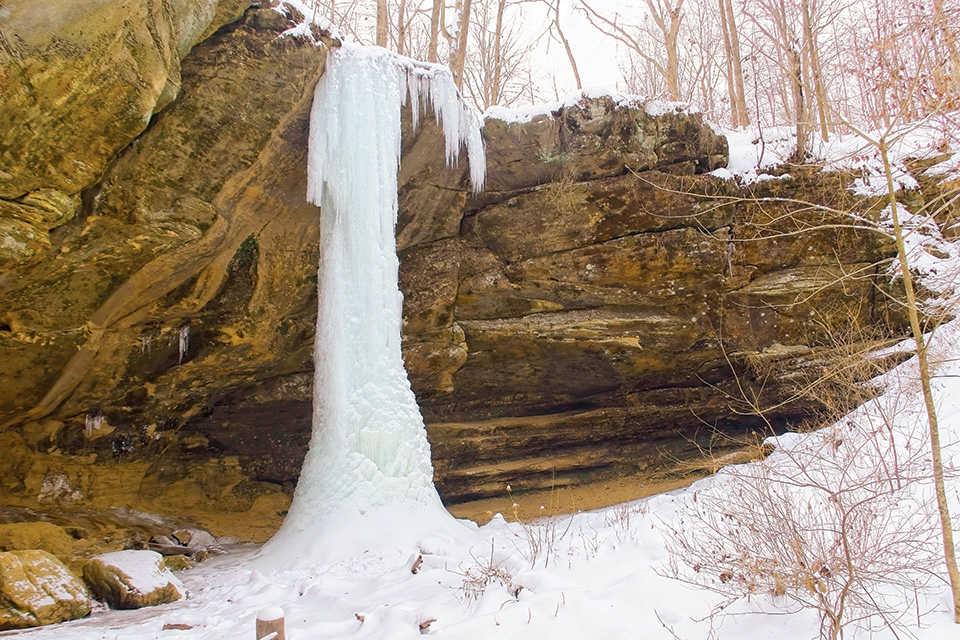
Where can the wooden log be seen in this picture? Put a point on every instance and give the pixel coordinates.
(270, 624)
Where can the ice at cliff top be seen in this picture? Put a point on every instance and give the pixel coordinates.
(368, 467)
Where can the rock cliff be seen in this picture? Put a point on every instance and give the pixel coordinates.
(597, 310)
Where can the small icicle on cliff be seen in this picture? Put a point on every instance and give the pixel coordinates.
(367, 480)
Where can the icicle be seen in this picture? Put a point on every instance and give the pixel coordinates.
(183, 342)
(413, 91)
(368, 467)
(93, 421)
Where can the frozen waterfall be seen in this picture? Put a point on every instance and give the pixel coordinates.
(367, 481)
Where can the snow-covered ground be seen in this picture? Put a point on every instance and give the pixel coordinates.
(605, 574)
(754, 151)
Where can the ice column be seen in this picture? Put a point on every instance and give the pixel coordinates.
(367, 481)
(183, 342)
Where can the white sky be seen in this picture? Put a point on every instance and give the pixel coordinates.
(596, 54)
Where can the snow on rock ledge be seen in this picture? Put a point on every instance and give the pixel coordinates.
(592, 136)
(132, 579)
(652, 108)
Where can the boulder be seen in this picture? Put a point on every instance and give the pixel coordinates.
(178, 562)
(132, 579)
(196, 539)
(23, 536)
(196, 542)
(37, 589)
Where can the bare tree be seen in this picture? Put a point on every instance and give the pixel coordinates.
(555, 29)
(403, 23)
(498, 56)
(667, 15)
(811, 50)
(948, 80)
(497, 61)
(435, 13)
(831, 525)
(382, 23)
(795, 73)
(459, 55)
(740, 95)
(774, 20)
(703, 64)
(882, 144)
(727, 29)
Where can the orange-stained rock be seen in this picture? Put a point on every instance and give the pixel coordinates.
(21, 536)
(37, 589)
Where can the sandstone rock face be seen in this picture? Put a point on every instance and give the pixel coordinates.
(598, 324)
(169, 245)
(132, 579)
(36, 589)
(595, 311)
(81, 79)
(48, 537)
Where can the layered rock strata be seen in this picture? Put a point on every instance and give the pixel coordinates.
(601, 308)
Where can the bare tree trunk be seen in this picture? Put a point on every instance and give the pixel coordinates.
(434, 30)
(381, 23)
(449, 37)
(401, 26)
(737, 68)
(728, 51)
(668, 19)
(949, 550)
(706, 90)
(813, 53)
(673, 63)
(456, 64)
(497, 54)
(791, 63)
(807, 74)
(948, 83)
(555, 5)
(799, 104)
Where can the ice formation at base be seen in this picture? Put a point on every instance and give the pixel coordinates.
(367, 480)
